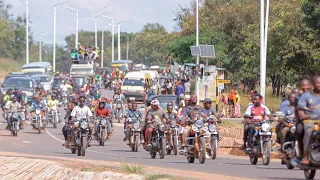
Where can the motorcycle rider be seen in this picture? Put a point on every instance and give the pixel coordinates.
(308, 109)
(102, 112)
(65, 86)
(253, 115)
(154, 111)
(82, 109)
(286, 102)
(53, 102)
(37, 104)
(288, 112)
(66, 129)
(189, 112)
(13, 106)
(18, 95)
(127, 114)
(172, 116)
(119, 96)
(208, 110)
(135, 112)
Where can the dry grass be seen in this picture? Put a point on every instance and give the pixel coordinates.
(131, 168)
(9, 65)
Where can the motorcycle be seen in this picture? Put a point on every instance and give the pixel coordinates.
(40, 123)
(259, 143)
(118, 112)
(64, 96)
(103, 124)
(81, 135)
(289, 146)
(15, 124)
(173, 143)
(158, 138)
(214, 135)
(197, 149)
(54, 116)
(133, 126)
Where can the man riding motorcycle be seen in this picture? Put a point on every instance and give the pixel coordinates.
(83, 110)
(133, 112)
(13, 106)
(172, 116)
(102, 112)
(283, 128)
(36, 104)
(127, 114)
(308, 109)
(53, 102)
(66, 129)
(208, 110)
(253, 115)
(191, 111)
(154, 111)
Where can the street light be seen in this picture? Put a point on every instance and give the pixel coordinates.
(95, 29)
(197, 44)
(77, 24)
(54, 32)
(27, 31)
(119, 35)
(102, 43)
(40, 46)
(112, 33)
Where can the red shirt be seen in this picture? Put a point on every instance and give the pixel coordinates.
(103, 112)
(258, 113)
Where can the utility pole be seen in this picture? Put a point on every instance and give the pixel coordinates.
(127, 48)
(198, 58)
(27, 31)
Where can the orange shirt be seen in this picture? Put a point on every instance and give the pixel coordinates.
(103, 112)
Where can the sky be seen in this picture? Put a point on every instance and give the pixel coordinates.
(137, 13)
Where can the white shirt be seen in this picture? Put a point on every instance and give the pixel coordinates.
(79, 112)
(65, 87)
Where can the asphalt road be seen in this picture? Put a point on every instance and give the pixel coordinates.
(50, 143)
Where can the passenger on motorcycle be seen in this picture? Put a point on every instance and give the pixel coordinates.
(191, 111)
(102, 112)
(95, 102)
(172, 116)
(253, 115)
(66, 129)
(53, 102)
(83, 111)
(154, 111)
(305, 86)
(18, 95)
(283, 128)
(13, 107)
(286, 102)
(208, 110)
(309, 109)
(37, 104)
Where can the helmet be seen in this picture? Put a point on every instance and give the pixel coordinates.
(97, 96)
(207, 100)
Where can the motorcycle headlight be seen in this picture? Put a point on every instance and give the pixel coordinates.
(199, 123)
(84, 125)
(136, 125)
(205, 128)
(38, 111)
(212, 128)
(15, 116)
(103, 122)
(173, 124)
(162, 127)
(129, 120)
(195, 128)
(265, 127)
(118, 106)
(293, 129)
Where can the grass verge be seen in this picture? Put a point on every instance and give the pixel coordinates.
(160, 176)
(132, 168)
(9, 65)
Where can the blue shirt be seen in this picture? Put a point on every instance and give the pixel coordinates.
(311, 101)
(108, 106)
(180, 90)
(136, 114)
(288, 112)
(208, 112)
(284, 103)
(127, 113)
(35, 106)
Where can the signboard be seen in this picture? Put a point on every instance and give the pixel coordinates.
(210, 69)
(207, 51)
(223, 81)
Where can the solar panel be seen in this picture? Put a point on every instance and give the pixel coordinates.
(195, 50)
(207, 51)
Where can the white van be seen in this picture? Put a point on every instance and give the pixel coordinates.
(82, 69)
(155, 80)
(133, 85)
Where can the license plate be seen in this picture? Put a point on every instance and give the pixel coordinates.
(132, 98)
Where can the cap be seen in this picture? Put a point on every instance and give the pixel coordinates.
(207, 100)
(169, 104)
(155, 102)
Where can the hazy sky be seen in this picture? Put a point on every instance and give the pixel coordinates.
(137, 13)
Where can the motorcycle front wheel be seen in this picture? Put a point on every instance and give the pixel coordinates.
(153, 155)
(163, 148)
(309, 174)
(136, 143)
(253, 160)
(266, 153)
(175, 145)
(84, 146)
(103, 138)
(213, 149)
(202, 151)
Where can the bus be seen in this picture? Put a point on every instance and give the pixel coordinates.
(123, 65)
(37, 68)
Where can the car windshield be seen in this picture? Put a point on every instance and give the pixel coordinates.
(34, 73)
(81, 70)
(21, 83)
(164, 100)
(79, 81)
(56, 83)
(133, 82)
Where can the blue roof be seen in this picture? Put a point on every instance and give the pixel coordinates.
(122, 61)
(36, 65)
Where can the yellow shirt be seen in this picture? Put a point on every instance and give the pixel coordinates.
(53, 103)
(236, 99)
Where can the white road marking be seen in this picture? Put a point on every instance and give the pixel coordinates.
(87, 149)
(27, 142)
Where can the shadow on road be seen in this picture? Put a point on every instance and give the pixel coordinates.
(237, 164)
(284, 178)
(121, 150)
(276, 168)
